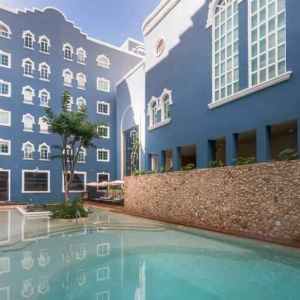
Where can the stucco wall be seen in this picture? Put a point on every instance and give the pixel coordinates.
(260, 201)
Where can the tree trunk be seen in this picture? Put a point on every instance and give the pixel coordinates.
(66, 187)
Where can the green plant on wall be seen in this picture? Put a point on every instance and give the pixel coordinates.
(188, 167)
(215, 164)
(244, 160)
(288, 154)
(136, 146)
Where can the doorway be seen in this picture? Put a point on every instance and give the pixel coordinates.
(4, 185)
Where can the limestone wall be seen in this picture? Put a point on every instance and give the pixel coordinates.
(260, 201)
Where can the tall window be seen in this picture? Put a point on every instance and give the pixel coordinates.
(154, 114)
(5, 117)
(44, 44)
(5, 88)
(44, 151)
(44, 127)
(4, 30)
(28, 150)
(103, 61)
(68, 77)
(81, 156)
(81, 55)
(44, 96)
(28, 94)
(268, 39)
(28, 121)
(81, 80)
(103, 84)
(4, 147)
(68, 51)
(80, 102)
(28, 67)
(5, 59)
(28, 38)
(166, 107)
(44, 71)
(226, 50)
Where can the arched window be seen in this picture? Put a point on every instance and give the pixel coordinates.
(166, 107)
(28, 94)
(44, 151)
(44, 44)
(225, 49)
(44, 96)
(44, 70)
(154, 113)
(44, 127)
(28, 150)
(68, 77)
(103, 61)
(81, 80)
(81, 155)
(267, 40)
(28, 67)
(80, 102)
(4, 30)
(81, 55)
(28, 121)
(68, 51)
(28, 38)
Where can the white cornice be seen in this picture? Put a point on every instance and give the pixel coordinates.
(158, 14)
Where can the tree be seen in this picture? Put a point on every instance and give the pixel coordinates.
(136, 146)
(76, 133)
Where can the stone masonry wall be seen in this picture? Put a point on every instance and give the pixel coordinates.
(260, 201)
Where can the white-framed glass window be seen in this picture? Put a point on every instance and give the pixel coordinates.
(68, 77)
(28, 121)
(44, 44)
(103, 155)
(35, 181)
(28, 67)
(44, 151)
(267, 45)
(154, 113)
(81, 55)
(103, 85)
(104, 131)
(28, 94)
(81, 80)
(68, 51)
(103, 273)
(44, 127)
(5, 30)
(81, 155)
(5, 59)
(5, 88)
(103, 108)
(103, 61)
(100, 178)
(44, 70)
(5, 147)
(103, 249)
(28, 150)
(78, 183)
(5, 117)
(105, 295)
(44, 96)
(28, 38)
(80, 102)
(226, 49)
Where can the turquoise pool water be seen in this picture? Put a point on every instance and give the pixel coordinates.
(119, 257)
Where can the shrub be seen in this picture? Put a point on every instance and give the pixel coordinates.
(215, 164)
(68, 210)
(188, 167)
(288, 154)
(244, 160)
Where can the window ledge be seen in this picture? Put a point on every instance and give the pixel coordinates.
(44, 132)
(160, 124)
(81, 88)
(30, 48)
(4, 124)
(67, 84)
(48, 53)
(44, 159)
(44, 79)
(68, 59)
(251, 90)
(5, 95)
(6, 67)
(30, 103)
(27, 130)
(28, 76)
(81, 62)
(44, 105)
(5, 154)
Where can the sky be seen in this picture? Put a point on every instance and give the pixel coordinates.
(112, 21)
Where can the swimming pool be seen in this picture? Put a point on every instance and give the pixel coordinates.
(122, 257)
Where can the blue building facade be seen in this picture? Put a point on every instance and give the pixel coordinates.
(42, 55)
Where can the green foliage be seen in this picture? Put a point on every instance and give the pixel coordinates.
(215, 164)
(244, 160)
(188, 167)
(288, 154)
(68, 210)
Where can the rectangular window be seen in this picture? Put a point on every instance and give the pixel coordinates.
(35, 181)
(5, 118)
(28, 42)
(78, 183)
(104, 131)
(101, 177)
(4, 265)
(267, 45)
(103, 85)
(103, 249)
(5, 293)
(103, 155)
(5, 89)
(105, 295)
(4, 147)
(103, 273)
(5, 59)
(103, 108)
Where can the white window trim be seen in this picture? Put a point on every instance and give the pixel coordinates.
(25, 33)
(24, 61)
(106, 293)
(72, 51)
(102, 173)
(28, 87)
(84, 80)
(9, 59)
(23, 149)
(78, 101)
(64, 75)
(108, 155)
(37, 171)
(253, 89)
(40, 96)
(101, 269)
(9, 147)
(7, 29)
(39, 123)
(84, 55)
(101, 245)
(44, 37)
(102, 56)
(103, 80)
(84, 155)
(76, 172)
(23, 121)
(9, 116)
(40, 149)
(108, 131)
(108, 108)
(41, 65)
(9, 89)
